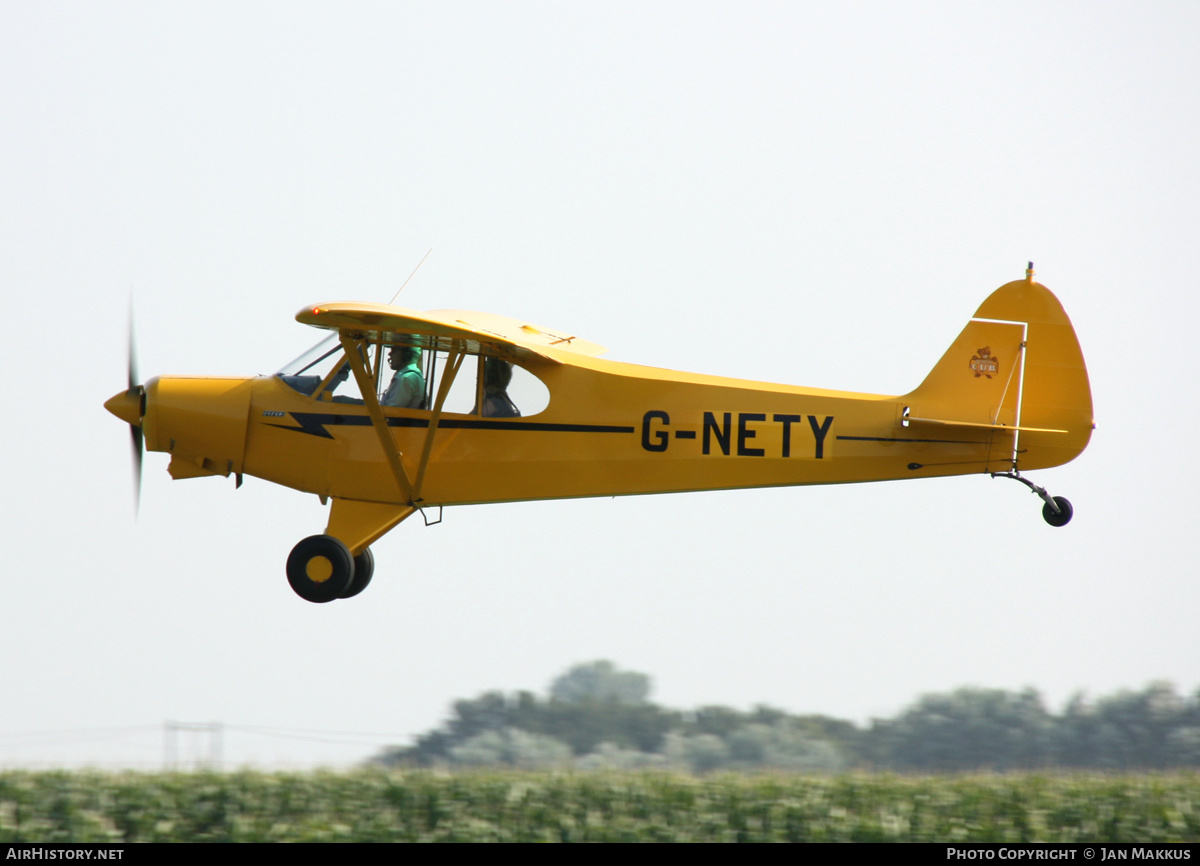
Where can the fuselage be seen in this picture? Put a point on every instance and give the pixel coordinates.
(610, 429)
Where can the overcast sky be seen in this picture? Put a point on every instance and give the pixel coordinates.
(812, 193)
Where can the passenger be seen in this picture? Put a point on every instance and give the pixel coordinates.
(407, 388)
(496, 403)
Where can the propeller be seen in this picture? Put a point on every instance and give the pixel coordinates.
(130, 406)
(135, 430)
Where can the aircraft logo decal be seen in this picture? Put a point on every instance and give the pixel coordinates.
(985, 364)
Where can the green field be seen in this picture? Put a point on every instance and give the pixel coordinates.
(379, 806)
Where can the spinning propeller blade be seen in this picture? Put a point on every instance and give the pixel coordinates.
(135, 430)
(130, 405)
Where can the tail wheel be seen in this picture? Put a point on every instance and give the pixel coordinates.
(320, 569)
(1064, 514)
(364, 568)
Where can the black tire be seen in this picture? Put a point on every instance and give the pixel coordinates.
(1064, 515)
(364, 568)
(320, 568)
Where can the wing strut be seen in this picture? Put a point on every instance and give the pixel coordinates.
(366, 384)
(451, 371)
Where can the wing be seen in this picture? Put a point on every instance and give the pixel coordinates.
(520, 339)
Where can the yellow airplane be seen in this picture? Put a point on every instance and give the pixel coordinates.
(399, 411)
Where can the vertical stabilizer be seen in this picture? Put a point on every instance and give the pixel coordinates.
(1017, 364)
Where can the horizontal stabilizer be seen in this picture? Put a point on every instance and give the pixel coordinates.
(1006, 427)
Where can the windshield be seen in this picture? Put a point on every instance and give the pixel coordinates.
(324, 362)
(312, 357)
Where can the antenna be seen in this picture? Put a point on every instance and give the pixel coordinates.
(410, 276)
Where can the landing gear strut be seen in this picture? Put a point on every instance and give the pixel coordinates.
(321, 569)
(1057, 511)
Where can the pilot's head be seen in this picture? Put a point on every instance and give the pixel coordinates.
(496, 374)
(400, 357)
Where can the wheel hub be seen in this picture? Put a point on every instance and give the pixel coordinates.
(319, 569)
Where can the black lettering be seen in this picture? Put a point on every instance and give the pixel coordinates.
(722, 434)
(659, 437)
(685, 434)
(787, 421)
(744, 434)
(819, 433)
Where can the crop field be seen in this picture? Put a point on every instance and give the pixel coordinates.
(379, 806)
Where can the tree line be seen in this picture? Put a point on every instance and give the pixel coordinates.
(599, 717)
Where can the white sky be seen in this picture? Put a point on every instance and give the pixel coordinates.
(811, 193)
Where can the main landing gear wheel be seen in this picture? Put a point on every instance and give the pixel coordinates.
(364, 567)
(320, 569)
(1060, 518)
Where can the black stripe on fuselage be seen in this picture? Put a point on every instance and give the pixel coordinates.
(894, 439)
(315, 423)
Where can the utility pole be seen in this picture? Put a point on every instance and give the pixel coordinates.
(210, 731)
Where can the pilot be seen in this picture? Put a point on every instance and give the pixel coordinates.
(407, 388)
(496, 403)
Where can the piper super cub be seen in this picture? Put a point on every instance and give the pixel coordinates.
(398, 411)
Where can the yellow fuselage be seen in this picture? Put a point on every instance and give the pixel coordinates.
(610, 429)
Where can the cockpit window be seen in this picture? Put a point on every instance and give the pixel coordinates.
(322, 372)
(487, 386)
(312, 357)
(409, 375)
